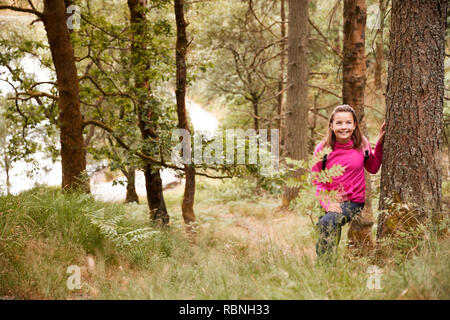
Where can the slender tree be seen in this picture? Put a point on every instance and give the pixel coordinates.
(336, 25)
(296, 140)
(187, 205)
(153, 182)
(379, 45)
(411, 173)
(5, 161)
(280, 97)
(354, 62)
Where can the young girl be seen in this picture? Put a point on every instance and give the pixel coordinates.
(348, 145)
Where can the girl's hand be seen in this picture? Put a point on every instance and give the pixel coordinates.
(382, 133)
(335, 207)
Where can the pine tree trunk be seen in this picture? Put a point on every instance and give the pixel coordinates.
(379, 48)
(187, 205)
(296, 140)
(281, 77)
(411, 171)
(354, 82)
(153, 182)
(354, 62)
(73, 153)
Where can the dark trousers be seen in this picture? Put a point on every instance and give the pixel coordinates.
(330, 225)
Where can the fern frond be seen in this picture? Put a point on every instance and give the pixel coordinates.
(112, 230)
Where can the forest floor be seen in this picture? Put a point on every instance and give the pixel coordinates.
(245, 248)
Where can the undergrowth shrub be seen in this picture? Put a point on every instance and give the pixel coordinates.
(116, 228)
(306, 202)
(45, 212)
(227, 190)
(223, 264)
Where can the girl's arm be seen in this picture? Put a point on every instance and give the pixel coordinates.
(373, 164)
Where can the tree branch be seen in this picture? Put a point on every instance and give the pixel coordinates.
(20, 9)
(320, 115)
(325, 39)
(325, 90)
(141, 154)
(32, 94)
(106, 94)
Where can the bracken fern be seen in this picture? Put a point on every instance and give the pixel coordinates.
(115, 230)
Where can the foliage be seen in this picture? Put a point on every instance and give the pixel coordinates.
(305, 201)
(32, 117)
(239, 253)
(407, 224)
(243, 55)
(108, 87)
(114, 229)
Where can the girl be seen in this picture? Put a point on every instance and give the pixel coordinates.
(348, 145)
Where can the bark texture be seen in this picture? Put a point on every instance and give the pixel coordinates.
(354, 82)
(153, 182)
(379, 46)
(131, 195)
(282, 75)
(411, 171)
(187, 205)
(73, 152)
(296, 126)
(354, 62)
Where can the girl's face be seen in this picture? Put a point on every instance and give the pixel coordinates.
(343, 126)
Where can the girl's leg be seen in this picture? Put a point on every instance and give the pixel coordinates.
(349, 211)
(330, 226)
(327, 233)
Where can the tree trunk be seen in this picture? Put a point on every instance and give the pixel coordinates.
(411, 172)
(379, 48)
(155, 197)
(73, 153)
(281, 77)
(336, 25)
(296, 140)
(255, 115)
(354, 62)
(8, 182)
(132, 195)
(313, 129)
(354, 82)
(153, 183)
(187, 206)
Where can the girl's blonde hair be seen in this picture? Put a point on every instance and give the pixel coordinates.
(357, 138)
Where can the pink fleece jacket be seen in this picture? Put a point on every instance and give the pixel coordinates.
(351, 185)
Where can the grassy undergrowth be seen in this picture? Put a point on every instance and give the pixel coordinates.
(245, 249)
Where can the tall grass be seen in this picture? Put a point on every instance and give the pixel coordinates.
(245, 249)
